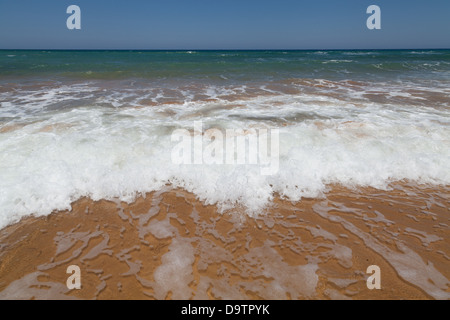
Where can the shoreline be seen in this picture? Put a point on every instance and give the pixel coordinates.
(169, 245)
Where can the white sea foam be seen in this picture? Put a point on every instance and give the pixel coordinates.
(360, 53)
(337, 61)
(49, 161)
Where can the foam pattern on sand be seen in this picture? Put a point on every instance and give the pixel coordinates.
(170, 246)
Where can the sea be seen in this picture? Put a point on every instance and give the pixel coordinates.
(100, 124)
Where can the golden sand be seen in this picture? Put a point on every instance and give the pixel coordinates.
(168, 245)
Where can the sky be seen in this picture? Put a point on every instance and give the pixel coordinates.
(224, 24)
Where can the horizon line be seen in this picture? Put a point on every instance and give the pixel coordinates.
(312, 49)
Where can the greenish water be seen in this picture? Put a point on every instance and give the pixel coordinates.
(227, 65)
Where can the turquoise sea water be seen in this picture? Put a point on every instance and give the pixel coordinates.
(221, 65)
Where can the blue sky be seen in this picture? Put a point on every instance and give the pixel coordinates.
(227, 24)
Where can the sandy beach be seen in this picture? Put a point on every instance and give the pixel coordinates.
(262, 174)
(168, 245)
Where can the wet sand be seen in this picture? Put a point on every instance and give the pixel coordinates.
(168, 245)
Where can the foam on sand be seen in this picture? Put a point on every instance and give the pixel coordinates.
(170, 246)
